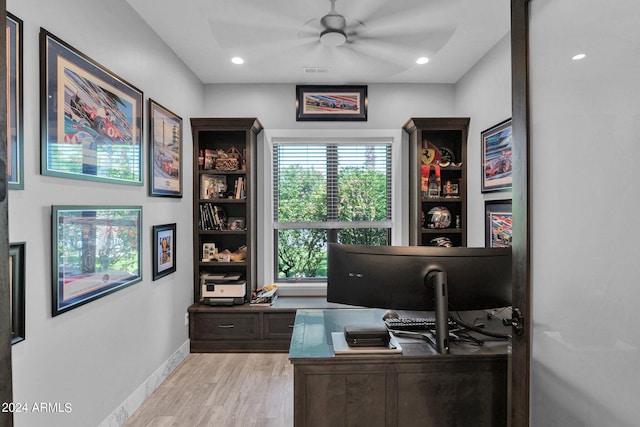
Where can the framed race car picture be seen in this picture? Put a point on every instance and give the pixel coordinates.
(497, 148)
(498, 223)
(165, 152)
(91, 119)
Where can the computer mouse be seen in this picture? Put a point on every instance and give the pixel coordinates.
(390, 314)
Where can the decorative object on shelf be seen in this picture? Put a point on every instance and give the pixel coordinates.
(441, 241)
(429, 154)
(438, 217)
(209, 251)
(17, 291)
(264, 297)
(446, 157)
(15, 109)
(450, 190)
(498, 223)
(236, 223)
(213, 186)
(91, 119)
(331, 103)
(164, 250)
(229, 160)
(165, 152)
(96, 250)
(497, 148)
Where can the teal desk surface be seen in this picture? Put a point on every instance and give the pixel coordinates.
(313, 327)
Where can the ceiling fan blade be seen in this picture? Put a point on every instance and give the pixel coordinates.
(425, 42)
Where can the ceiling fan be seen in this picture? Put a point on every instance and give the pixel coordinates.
(366, 34)
(335, 28)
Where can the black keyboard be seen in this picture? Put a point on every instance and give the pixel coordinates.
(413, 323)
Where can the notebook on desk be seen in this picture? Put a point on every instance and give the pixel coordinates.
(340, 346)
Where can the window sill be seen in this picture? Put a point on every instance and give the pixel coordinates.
(302, 289)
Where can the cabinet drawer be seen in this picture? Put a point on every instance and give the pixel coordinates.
(279, 325)
(240, 326)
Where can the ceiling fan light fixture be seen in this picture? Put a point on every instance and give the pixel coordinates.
(333, 38)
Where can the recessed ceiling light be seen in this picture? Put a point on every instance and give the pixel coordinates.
(422, 60)
(579, 56)
(237, 60)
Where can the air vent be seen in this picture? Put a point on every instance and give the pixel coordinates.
(315, 70)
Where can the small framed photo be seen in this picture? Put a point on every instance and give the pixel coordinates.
(236, 223)
(208, 252)
(331, 103)
(17, 291)
(450, 190)
(497, 149)
(498, 224)
(95, 251)
(164, 250)
(165, 153)
(90, 118)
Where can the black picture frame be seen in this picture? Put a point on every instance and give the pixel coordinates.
(15, 106)
(90, 118)
(498, 223)
(17, 269)
(165, 152)
(95, 251)
(164, 250)
(331, 103)
(497, 150)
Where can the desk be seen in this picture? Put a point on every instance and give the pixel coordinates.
(467, 387)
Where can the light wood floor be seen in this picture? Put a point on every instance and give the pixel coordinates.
(222, 390)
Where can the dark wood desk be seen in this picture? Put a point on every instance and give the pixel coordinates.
(467, 387)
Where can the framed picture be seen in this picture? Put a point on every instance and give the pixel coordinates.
(96, 250)
(497, 148)
(164, 250)
(15, 123)
(17, 291)
(165, 152)
(331, 103)
(91, 119)
(498, 224)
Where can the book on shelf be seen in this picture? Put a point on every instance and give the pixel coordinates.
(212, 217)
(264, 297)
(210, 157)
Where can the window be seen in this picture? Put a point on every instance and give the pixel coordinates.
(327, 192)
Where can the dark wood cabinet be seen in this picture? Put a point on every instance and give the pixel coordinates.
(437, 213)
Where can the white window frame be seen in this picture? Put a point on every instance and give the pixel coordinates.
(399, 198)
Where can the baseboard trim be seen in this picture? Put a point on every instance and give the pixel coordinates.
(122, 413)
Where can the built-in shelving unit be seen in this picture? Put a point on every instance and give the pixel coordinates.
(448, 137)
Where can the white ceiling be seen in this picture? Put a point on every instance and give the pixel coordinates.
(279, 39)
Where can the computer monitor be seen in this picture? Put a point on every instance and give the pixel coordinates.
(394, 277)
(422, 278)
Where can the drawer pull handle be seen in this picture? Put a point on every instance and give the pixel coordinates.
(229, 326)
(291, 326)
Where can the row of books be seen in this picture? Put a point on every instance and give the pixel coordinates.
(212, 217)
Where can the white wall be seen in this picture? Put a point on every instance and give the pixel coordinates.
(95, 356)
(484, 94)
(585, 148)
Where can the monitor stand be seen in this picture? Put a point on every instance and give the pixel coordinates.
(438, 279)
